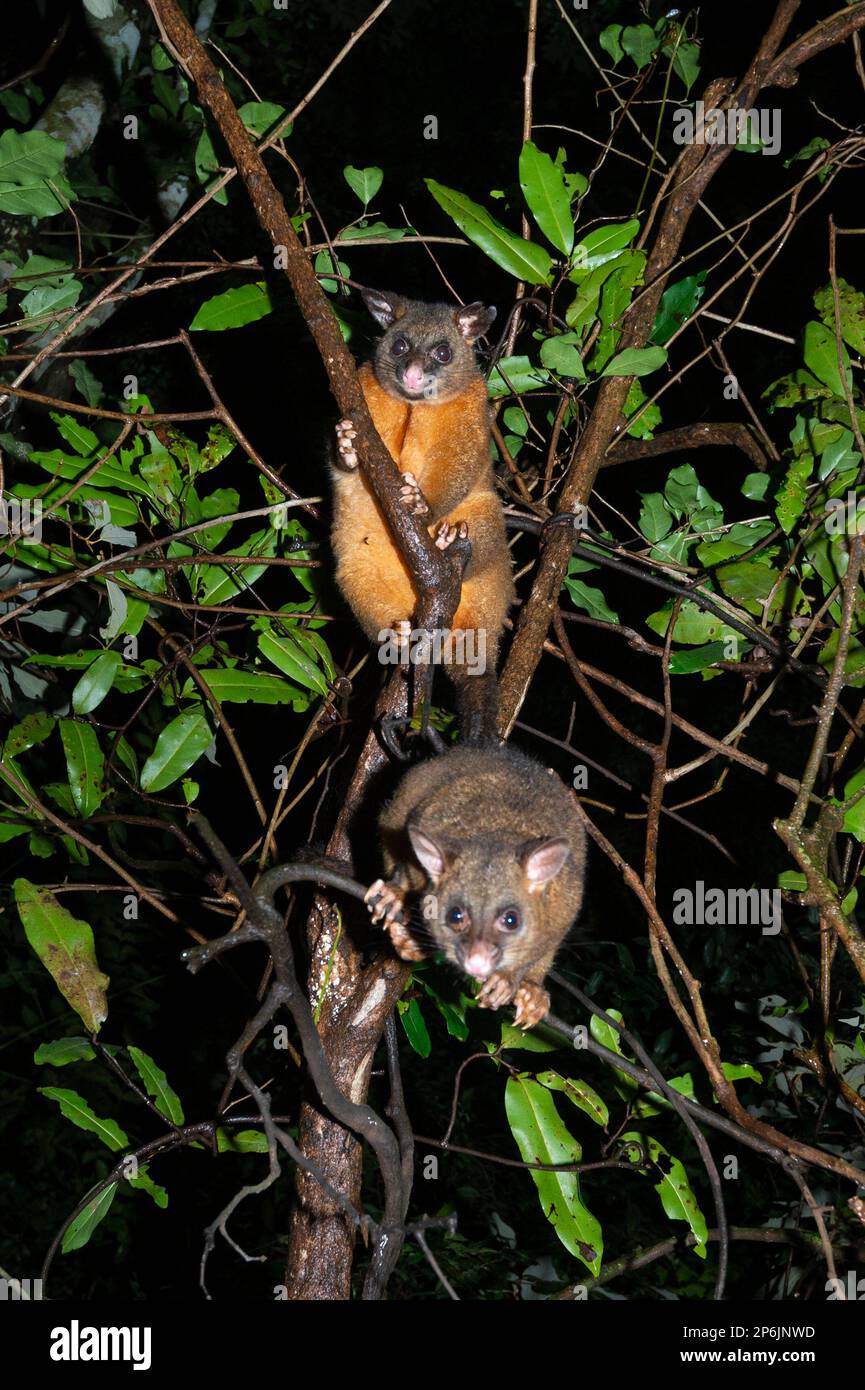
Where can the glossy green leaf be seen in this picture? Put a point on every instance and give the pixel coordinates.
(636, 362)
(415, 1028)
(546, 194)
(589, 599)
(821, 356)
(233, 309)
(85, 765)
(516, 375)
(561, 355)
(73, 1107)
(602, 245)
(96, 682)
(673, 1187)
(180, 744)
(33, 728)
(156, 1085)
(693, 625)
(522, 259)
(542, 1137)
(365, 183)
(678, 303)
(579, 1093)
(63, 1051)
(80, 1230)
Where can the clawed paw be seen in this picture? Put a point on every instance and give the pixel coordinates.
(385, 903)
(532, 1004)
(411, 497)
(496, 991)
(345, 437)
(447, 533)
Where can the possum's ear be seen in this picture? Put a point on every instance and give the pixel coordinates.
(474, 320)
(433, 856)
(385, 307)
(542, 860)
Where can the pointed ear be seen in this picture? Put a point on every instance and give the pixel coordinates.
(385, 307)
(542, 860)
(433, 856)
(474, 320)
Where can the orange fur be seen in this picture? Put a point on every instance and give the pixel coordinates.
(445, 445)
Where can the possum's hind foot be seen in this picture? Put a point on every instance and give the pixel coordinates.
(346, 453)
(411, 497)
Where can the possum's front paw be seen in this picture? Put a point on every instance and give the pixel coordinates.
(532, 1005)
(499, 989)
(385, 903)
(411, 497)
(347, 454)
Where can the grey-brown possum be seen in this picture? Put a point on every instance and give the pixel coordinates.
(491, 845)
(428, 402)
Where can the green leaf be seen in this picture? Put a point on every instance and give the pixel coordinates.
(610, 41)
(242, 1141)
(677, 1198)
(63, 1051)
(677, 305)
(580, 1093)
(180, 744)
(96, 682)
(616, 294)
(542, 1137)
(792, 494)
(287, 654)
(364, 182)
(65, 946)
(561, 355)
(655, 520)
(219, 583)
(231, 685)
(144, 1183)
(516, 1039)
(546, 194)
(34, 728)
(639, 42)
(741, 1071)
(31, 180)
(261, 116)
(156, 1085)
(686, 663)
(852, 306)
(522, 259)
(73, 1107)
(516, 375)
(793, 881)
(686, 63)
(821, 355)
(591, 600)
(412, 1021)
(854, 819)
(82, 440)
(233, 309)
(602, 245)
(85, 765)
(694, 625)
(636, 362)
(79, 1231)
(755, 485)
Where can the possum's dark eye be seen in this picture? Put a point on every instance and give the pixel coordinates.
(399, 347)
(455, 917)
(441, 353)
(509, 919)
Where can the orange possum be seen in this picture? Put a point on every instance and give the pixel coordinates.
(428, 401)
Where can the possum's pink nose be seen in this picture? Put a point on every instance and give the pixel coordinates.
(478, 963)
(413, 377)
